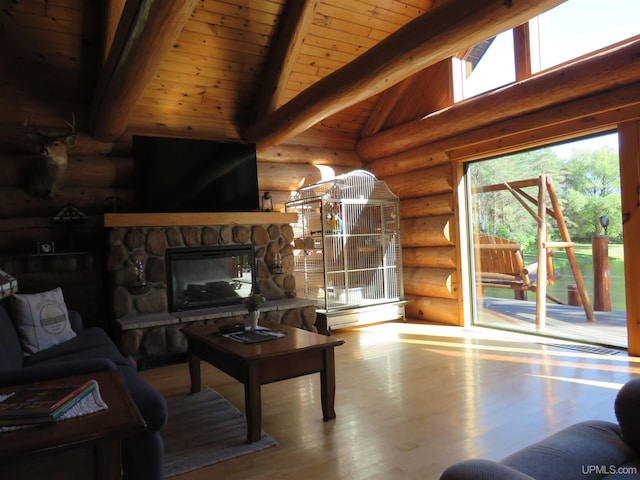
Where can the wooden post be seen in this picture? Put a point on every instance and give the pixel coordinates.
(629, 141)
(601, 280)
(571, 254)
(541, 282)
(573, 296)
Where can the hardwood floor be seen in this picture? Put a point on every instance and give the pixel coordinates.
(412, 399)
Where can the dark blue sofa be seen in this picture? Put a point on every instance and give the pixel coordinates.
(91, 350)
(590, 450)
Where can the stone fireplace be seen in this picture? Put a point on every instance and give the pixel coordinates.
(139, 245)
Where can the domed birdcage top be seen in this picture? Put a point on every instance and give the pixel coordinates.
(357, 184)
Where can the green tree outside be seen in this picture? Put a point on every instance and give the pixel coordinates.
(591, 190)
(587, 185)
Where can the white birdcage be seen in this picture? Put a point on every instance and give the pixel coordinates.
(347, 249)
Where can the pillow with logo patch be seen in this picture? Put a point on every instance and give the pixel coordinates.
(41, 319)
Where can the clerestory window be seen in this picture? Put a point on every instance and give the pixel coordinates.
(571, 30)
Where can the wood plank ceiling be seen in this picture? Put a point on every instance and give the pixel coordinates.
(232, 63)
(209, 83)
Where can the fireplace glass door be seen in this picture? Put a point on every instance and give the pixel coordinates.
(205, 277)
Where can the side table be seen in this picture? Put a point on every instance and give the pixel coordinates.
(86, 447)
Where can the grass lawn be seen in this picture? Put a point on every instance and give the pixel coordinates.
(584, 249)
(583, 254)
(585, 261)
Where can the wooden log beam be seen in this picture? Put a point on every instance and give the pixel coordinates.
(434, 36)
(22, 234)
(414, 159)
(13, 139)
(430, 282)
(17, 202)
(431, 257)
(429, 181)
(284, 54)
(614, 68)
(439, 310)
(147, 30)
(589, 115)
(93, 171)
(112, 13)
(522, 51)
(428, 231)
(312, 155)
(426, 206)
(280, 176)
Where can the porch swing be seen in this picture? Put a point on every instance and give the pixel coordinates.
(499, 262)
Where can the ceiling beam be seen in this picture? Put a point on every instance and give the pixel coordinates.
(284, 53)
(426, 40)
(147, 30)
(384, 107)
(112, 13)
(583, 78)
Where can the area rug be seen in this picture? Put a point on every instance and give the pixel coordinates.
(204, 429)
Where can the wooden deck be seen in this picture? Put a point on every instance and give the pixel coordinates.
(562, 321)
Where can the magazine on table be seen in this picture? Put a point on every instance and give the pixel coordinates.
(49, 402)
(260, 334)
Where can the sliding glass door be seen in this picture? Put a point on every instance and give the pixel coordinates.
(545, 230)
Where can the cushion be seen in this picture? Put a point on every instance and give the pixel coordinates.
(564, 455)
(11, 356)
(90, 343)
(41, 319)
(628, 413)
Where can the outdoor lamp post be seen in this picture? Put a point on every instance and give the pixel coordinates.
(601, 280)
(604, 221)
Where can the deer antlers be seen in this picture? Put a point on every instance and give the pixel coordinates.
(39, 138)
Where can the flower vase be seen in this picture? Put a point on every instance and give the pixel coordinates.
(253, 318)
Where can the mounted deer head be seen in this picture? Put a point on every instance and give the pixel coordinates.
(47, 176)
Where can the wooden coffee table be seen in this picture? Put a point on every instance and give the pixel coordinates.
(86, 447)
(298, 353)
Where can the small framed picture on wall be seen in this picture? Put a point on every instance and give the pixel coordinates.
(45, 248)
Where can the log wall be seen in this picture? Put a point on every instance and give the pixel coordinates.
(95, 175)
(427, 226)
(92, 180)
(421, 161)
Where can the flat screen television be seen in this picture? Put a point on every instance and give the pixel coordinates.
(173, 175)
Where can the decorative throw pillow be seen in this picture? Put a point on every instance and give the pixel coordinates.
(41, 319)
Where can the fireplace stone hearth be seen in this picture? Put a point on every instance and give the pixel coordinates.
(146, 246)
(142, 322)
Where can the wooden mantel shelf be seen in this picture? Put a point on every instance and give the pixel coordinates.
(192, 219)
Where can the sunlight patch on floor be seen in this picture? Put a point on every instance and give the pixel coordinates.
(594, 383)
(410, 332)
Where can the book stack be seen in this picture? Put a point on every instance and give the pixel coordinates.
(43, 403)
(8, 284)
